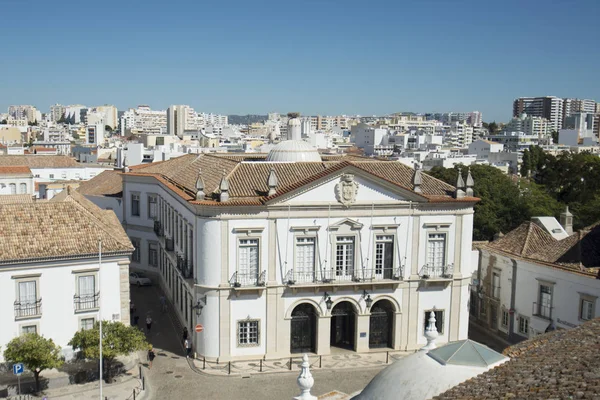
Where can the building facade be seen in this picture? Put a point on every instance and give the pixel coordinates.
(548, 107)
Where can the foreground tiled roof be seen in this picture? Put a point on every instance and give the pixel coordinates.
(33, 161)
(14, 170)
(562, 364)
(68, 226)
(16, 198)
(248, 179)
(107, 183)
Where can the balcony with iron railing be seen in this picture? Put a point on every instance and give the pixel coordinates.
(86, 302)
(248, 279)
(158, 229)
(542, 311)
(431, 272)
(328, 276)
(29, 309)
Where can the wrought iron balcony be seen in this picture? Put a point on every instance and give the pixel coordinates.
(542, 311)
(378, 274)
(437, 272)
(169, 244)
(240, 279)
(158, 229)
(28, 309)
(332, 275)
(86, 302)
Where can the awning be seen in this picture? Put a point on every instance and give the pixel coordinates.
(539, 325)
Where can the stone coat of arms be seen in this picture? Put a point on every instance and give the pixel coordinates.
(346, 190)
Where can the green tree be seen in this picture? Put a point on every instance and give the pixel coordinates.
(4, 122)
(107, 128)
(117, 339)
(554, 135)
(35, 352)
(75, 135)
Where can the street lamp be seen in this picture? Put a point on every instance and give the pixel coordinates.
(368, 299)
(328, 301)
(200, 303)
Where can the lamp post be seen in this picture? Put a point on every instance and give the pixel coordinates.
(328, 301)
(368, 299)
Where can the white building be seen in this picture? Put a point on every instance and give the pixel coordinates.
(16, 180)
(181, 118)
(24, 112)
(143, 120)
(539, 277)
(56, 112)
(75, 114)
(460, 134)
(373, 140)
(515, 141)
(548, 107)
(94, 134)
(529, 125)
(51, 285)
(483, 148)
(107, 115)
(275, 256)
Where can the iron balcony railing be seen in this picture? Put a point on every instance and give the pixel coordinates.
(332, 275)
(86, 301)
(430, 271)
(542, 310)
(28, 309)
(169, 244)
(158, 229)
(240, 279)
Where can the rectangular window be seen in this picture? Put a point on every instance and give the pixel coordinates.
(23, 188)
(436, 250)
(153, 254)
(135, 256)
(86, 289)
(28, 329)
(496, 285)
(305, 258)
(545, 303)
(51, 176)
(63, 175)
(248, 333)
(27, 299)
(135, 204)
(439, 320)
(523, 325)
(344, 256)
(384, 256)
(152, 206)
(248, 261)
(505, 318)
(13, 188)
(87, 323)
(587, 310)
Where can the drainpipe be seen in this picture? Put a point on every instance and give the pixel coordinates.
(513, 292)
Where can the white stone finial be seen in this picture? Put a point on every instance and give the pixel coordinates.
(200, 186)
(431, 333)
(417, 179)
(272, 182)
(224, 188)
(305, 381)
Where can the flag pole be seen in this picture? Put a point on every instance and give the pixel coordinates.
(100, 307)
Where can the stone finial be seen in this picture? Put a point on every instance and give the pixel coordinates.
(460, 185)
(200, 186)
(125, 164)
(566, 220)
(470, 184)
(224, 188)
(305, 381)
(431, 333)
(272, 182)
(417, 179)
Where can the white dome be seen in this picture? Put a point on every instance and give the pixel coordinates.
(292, 151)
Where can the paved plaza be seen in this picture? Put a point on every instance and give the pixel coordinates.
(172, 377)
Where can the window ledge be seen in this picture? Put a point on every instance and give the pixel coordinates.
(28, 317)
(87, 310)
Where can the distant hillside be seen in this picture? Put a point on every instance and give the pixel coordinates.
(245, 119)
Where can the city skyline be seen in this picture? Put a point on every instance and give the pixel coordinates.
(239, 58)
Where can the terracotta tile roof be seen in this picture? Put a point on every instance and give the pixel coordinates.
(33, 161)
(107, 183)
(66, 226)
(16, 198)
(525, 240)
(248, 179)
(558, 365)
(15, 170)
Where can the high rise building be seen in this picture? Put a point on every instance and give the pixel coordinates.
(181, 118)
(56, 112)
(549, 107)
(143, 120)
(28, 112)
(529, 125)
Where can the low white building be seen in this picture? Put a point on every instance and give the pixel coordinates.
(50, 277)
(16, 180)
(539, 277)
(483, 148)
(373, 140)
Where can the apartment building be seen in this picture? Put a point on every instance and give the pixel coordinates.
(24, 112)
(548, 107)
(529, 125)
(143, 120)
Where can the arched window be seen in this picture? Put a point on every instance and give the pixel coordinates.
(13, 188)
(23, 188)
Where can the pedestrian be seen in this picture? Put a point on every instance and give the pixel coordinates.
(185, 333)
(151, 356)
(163, 303)
(148, 323)
(188, 347)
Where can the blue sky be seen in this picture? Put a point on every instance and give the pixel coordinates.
(316, 57)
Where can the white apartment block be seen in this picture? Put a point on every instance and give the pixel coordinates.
(26, 112)
(404, 123)
(56, 112)
(459, 134)
(538, 277)
(549, 107)
(529, 125)
(214, 119)
(143, 120)
(51, 285)
(374, 141)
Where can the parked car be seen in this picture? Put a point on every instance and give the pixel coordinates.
(137, 278)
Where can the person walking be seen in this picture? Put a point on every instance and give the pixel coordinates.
(163, 303)
(148, 323)
(188, 347)
(151, 356)
(185, 333)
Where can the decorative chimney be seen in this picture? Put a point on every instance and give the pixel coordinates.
(272, 182)
(566, 220)
(460, 185)
(470, 184)
(417, 179)
(224, 188)
(431, 333)
(200, 186)
(305, 381)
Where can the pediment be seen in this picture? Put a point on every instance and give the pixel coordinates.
(346, 222)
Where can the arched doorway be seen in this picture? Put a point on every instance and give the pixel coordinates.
(303, 330)
(381, 324)
(343, 325)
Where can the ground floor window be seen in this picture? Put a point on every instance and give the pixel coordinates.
(29, 329)
(87, 323)
(248, 333)
(504, 318)
(523, 327)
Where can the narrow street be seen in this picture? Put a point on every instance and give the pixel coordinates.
(172, 378)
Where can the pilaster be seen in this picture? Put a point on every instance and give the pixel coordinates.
(224, 326)
(414, 253)
(413, 315)
(323, 335)
(124, 291)
(397, 338)
(362, 326)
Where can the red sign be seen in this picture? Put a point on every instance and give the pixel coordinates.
(199, 328)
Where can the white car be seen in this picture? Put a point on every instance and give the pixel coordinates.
(137, 278)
